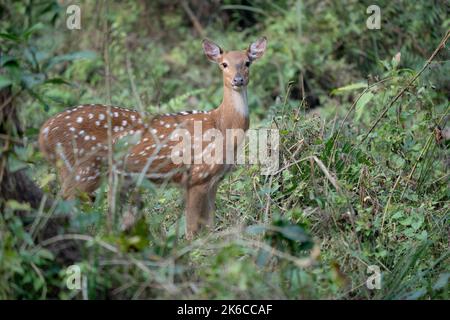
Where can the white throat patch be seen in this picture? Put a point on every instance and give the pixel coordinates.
(239, 100)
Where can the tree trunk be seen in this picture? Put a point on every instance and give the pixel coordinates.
(13, 185)
(18, 186)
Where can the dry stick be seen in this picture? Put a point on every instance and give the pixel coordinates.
(11, 139)
(342, 191)
(266, 211)
(80, 237)
(291, 164)
(132, 83)
(135, 92)
(42, 278)
(327, 173)
(7, 101)
(324, 169)
(36, 221)
(305, 262)
(389, 201)
(198, 27)
(439, 179)
(111, 197)
(430, 59)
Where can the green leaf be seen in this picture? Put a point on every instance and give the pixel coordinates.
(294, 232)
(45, 254)
(46, 179)
(32, 79)
(256, 229)
(10, 36)
(15, 164)
(416, 294)
(350, 87)
(65, 206)
(39, 98)
(32, 29)
(363, 100)
(4, 81)
(397, 215)
(70, 57)
(18, 206)
(4, 59)
(262, 257)
(442, 281)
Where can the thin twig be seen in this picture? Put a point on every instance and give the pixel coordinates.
(81, 237)
(198, 27)
(389, 202)
(132, 83)
(410, 82)
(111, 196)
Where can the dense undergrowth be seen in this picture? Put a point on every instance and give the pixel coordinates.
(354, 189)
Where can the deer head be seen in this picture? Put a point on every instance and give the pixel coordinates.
(235, 65)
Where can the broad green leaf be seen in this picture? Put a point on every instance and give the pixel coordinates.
(263, 257)
(32, 29)
(18, 206)
(10, 36)
(4, 81)
(256, 229)
(15, 164)
(39, 98)
(70, 57)
(4, 59)
(46, 179)
(45, 254)
(363, 100)
(295, 233)
(442, 281)
(350, 87)
(65, 206)
(416, 294)
(32, 79)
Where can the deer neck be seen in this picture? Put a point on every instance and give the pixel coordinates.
(233, 111)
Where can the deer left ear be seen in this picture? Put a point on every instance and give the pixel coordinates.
(257, 48)
(212, 50)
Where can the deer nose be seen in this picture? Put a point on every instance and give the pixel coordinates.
(238, 81)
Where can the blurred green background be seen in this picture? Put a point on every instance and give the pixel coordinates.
(363, 182)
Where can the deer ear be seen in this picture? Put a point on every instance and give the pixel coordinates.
(257, 48)
(212, 50)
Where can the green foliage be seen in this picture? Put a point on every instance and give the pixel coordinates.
(343, 200)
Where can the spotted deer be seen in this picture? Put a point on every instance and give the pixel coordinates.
(80, 141)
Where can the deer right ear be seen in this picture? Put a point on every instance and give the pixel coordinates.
(212, 50)
(257, 48)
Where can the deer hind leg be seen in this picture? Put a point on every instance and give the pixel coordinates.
(200, 203)
(83, 178)
(130, 204)
(211, 203)
(130, 194)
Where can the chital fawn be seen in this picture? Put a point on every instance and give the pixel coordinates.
(80, 141)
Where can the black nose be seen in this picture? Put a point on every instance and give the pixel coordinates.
(238, 81)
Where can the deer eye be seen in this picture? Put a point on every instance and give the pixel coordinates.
(224, 65)
(247, 64)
